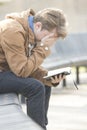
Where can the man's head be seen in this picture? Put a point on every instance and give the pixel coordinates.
(50, 20)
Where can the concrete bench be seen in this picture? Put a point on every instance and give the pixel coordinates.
(72, 51)
(11, 115)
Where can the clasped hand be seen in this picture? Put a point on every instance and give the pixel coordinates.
(49, 40)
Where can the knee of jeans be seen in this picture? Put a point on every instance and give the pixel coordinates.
(36, 88)
(40, 87)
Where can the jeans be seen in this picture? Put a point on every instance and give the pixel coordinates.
(37, 95)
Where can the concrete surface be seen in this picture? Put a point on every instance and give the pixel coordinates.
(68, 106)
(68, 109)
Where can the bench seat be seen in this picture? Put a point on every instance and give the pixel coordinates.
(11, 115)
(56, 63)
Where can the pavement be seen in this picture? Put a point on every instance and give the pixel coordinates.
(68, 106)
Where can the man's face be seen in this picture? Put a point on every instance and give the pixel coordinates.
(41, 33)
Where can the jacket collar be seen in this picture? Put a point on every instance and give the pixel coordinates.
(22, 18)
(30, 21)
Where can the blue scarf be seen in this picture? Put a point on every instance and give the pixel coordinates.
(30, 21)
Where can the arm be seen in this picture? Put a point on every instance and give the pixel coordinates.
(19, 63)
(41, 72)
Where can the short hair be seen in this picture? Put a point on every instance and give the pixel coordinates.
(52, 18)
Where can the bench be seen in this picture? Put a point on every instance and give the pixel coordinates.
(11, 115)
(72, 51)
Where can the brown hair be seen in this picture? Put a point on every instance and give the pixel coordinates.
(52, 18)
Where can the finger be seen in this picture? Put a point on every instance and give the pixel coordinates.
(64, 76)
(48, 36)
(54, 79)
(60, 77)
(51, 34)
(57, 79)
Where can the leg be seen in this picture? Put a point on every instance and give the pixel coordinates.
(32, 89)
(47, 98)
(77, 74)
(36, 103)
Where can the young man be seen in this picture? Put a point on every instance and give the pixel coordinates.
(25, 41)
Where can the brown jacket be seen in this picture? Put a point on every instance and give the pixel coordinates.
(15, 37)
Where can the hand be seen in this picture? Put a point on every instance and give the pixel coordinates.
(49, 40)
(55, 80)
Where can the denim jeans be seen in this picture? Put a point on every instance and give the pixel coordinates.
(36, 93)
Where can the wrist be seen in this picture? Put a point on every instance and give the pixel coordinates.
(43, 45)
(43, 49)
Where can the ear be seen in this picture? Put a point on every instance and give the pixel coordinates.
(38, 26)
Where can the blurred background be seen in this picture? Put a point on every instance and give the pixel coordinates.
(76, 10)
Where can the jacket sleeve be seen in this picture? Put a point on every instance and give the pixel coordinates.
(13, 47)
(39, 74)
